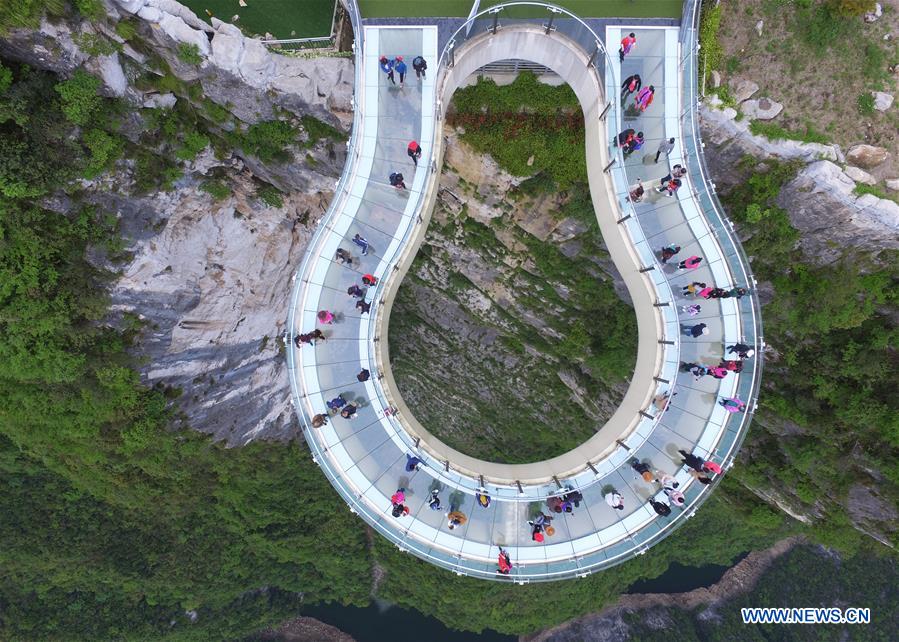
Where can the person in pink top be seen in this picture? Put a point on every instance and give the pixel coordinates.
(627, 45)
(690, 264)
(733, 404)
(325, 317)
(644, 98)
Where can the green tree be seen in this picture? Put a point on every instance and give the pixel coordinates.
(80, 100)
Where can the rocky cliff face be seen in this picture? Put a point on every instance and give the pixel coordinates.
(478, 330)
(209, 280)
(820, 201)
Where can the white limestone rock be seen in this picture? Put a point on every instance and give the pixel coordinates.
(715, 78)
(831, 218)
(743, 90)
(150, 14)
(761, 109)
(110, 71)
(160, 101)
(893, 184)
(859, 175)
(882, 100)
(180, 31)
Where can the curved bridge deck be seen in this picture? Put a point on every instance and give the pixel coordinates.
(365, 457)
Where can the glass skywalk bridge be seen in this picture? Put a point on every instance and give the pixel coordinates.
(365, 457)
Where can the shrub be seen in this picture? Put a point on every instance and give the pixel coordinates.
(270, 195)
(865, 103)
(91, 9)
(216, 189)
(194, 143)
(773, 131)
(850, 8)
(79, 97)
(316, 130)
(104, 148)
(711, 51)
(268, 140)
(126, 29)
(5, 79)
(27, 13)
(189, 53)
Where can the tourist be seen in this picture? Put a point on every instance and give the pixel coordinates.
(363, 376)
(645, 470)
(636, 194)
(670, 188)
(336, 403)
(691, 310)
(675, 497)
(737, 293)
(661, 508)
(414, 152)
(309, 337)
(614, 500)
(319, 420)
(482, 498)
(695, 331)
(692, 461)
(732, 365)
(669, 251)
(399, 496)
(434, 500)
(627, 45)
(665, 147)
(711, 467)
(504, 562)
(412, 463)
(387, 68)
(420, 66)
(702, 479)
(399, 510)
(325, 317)
(342, 256)
(349, 411)
(574, 497)
(690, 264)
(692, 289)
(369, 280)
(396, 180)
(644, 98)
(629, 86)
(555, 503)
(355, 291)
(667, 481)
(676, 172)
(625, 137)
(401, 68)
(733, 404)
(363, 306)
(742, 350)
(455, 518)
(695, 369)
(635, 144)
(361, 242)
(662, 401)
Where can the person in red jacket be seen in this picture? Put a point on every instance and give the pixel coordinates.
(504, 562)
(414, 151)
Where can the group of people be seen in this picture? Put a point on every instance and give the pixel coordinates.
(397, 65)
(743, 352)
(413, 151)
(667, 483)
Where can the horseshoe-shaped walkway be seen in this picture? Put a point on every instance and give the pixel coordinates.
(665, 410)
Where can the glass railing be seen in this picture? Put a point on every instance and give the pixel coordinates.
(642, 529)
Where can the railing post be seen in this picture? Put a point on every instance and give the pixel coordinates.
(495, 21)
(605, 111)
(594, 54)
(549, 26)
(609, 166)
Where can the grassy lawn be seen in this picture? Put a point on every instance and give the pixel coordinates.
(281, 18)
(582, 8)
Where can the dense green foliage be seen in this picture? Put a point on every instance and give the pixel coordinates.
(835, 375)
(114, 525)
(525, 119)
(804, 577)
